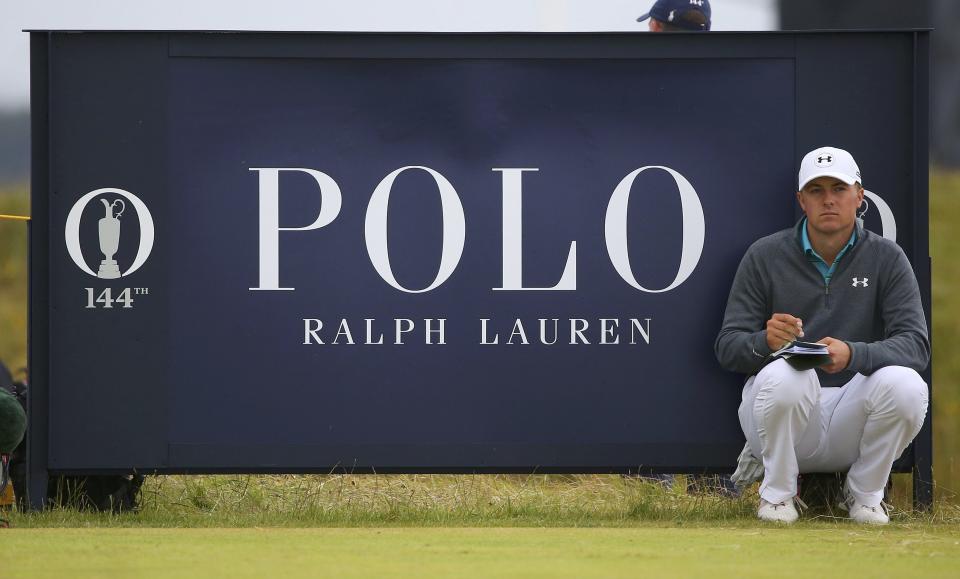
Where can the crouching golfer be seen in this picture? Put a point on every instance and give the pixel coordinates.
(829, 280)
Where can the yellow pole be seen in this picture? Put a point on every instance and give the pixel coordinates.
(15, 217)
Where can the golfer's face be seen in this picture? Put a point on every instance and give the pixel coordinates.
(830, 204)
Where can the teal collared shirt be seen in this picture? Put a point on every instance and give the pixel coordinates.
(825, 270)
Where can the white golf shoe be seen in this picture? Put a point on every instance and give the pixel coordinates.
(783, 512)
(863, 514)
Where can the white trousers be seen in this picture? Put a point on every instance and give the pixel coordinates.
(861, 428)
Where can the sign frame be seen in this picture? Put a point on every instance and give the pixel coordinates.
(805, 48)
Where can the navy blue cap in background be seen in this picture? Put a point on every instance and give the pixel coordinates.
(672, 12)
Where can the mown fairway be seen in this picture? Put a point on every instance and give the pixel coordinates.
(809, 550)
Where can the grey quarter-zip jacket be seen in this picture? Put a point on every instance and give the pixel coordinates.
(872, 302)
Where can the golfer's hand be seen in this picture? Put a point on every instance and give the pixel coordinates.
(783, 329)
(839, 353)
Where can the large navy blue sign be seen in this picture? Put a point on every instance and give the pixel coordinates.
(432, 253)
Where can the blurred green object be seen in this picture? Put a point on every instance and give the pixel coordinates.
(13, 422)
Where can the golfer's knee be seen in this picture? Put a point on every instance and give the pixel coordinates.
(781, 387)
(905, 392)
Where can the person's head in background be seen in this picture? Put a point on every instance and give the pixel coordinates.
(678, 16)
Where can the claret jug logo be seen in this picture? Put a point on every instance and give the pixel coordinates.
(111, 232)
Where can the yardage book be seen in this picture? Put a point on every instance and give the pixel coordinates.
(803, 355)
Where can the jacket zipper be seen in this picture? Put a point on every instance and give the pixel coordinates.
(826, 295)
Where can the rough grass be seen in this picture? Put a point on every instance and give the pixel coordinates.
(800, 551)
(375, 500)
(445, 500)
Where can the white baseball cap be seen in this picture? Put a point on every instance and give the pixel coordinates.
(829, 162)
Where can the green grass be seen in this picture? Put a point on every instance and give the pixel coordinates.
(442, 500)
(800, 551)
(372, 500)
(13, 279)
(945, 252)
(438, 526)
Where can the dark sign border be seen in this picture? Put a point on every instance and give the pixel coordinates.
(806, 48)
